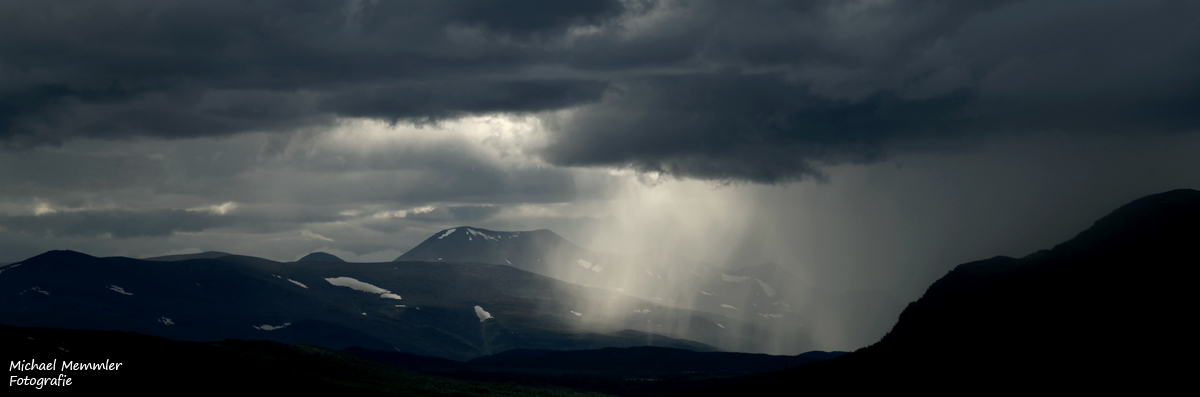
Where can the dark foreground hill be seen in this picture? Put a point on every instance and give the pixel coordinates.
(144, 364)
(154, 365)
(631, 371)
(1107, 310)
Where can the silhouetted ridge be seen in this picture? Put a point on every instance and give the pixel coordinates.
(321, 257)
(333, 305)
(1162, 219)
(184, 257)
(60, 255)
(1108, 310)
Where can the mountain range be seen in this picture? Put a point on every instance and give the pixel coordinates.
(1105, 310)
(450, 310)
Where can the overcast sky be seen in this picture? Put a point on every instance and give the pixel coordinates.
(862, 144)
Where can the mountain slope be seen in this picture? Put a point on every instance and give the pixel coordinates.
(1108, 309)
(779, 312)
(539, 251)
(450, 310)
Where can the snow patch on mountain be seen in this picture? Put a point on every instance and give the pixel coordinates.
(166, 321)
(446, 234)
(729, 307)
(266, 327)
(771, 316)
(577, 314)
(733, 279)
(34, 289)
(298, 283)
(486, 236)
(350, 282)
(766, 288)
(585, 264)
(119, 290)
(483, 314)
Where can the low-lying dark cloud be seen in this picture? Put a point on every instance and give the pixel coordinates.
(307, 181)
(461, 213)
(115, 223)
(726, 90)
(734, 126)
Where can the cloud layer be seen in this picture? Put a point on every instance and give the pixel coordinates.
(757, 91)
(862, 144)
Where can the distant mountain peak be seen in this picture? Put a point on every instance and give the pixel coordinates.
(540, 251)
(63, 255)
(321, 257)
(471, 233)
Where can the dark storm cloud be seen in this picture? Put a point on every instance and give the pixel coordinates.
(795, 88)
(184, 69)
(761, 91)
(733, 126)
(531, 17)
